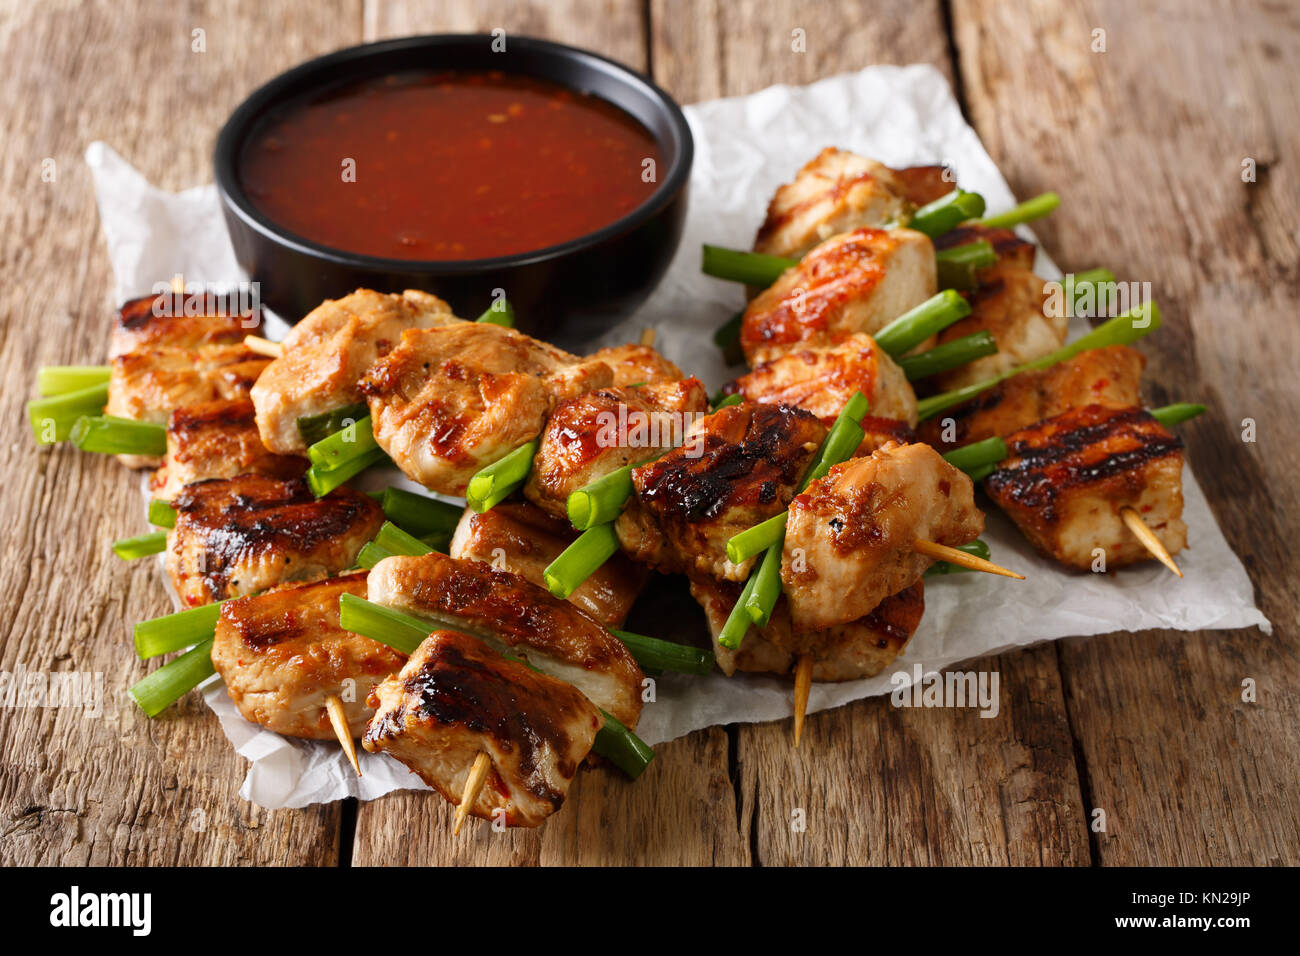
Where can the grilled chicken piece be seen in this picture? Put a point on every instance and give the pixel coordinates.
(848, 542)
(1012, 304)
(856, 282)
(861, 648)
(594, 434)
(450, 400)
(150, 383)
(880, 431)
(822, 380)
(155, 321)
(739, 466)
(839, 191)
(518, 537)
(217, 440)
(326, 353)
(1068, 477)
(1108, 376)
(457, 698)
(516, 616)
(638, 365)
(238, 536)
(282, 653)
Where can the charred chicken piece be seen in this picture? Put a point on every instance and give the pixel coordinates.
(326, 353)
(516, 616)
(589, 436)
(1067, 478)
(238, 536)
(838, 191)
(457, 698)
(523, 539)
(856, 282)
(848, 541)
(739, 466)
(450, 400)
(822, 380)
(861, 648)
(1108, 376)
(217, 440)
(282, 653)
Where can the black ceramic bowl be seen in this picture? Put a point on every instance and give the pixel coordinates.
(565, 293)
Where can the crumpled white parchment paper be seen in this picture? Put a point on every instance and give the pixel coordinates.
(745, 148)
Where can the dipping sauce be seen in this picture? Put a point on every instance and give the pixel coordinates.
(448, 165)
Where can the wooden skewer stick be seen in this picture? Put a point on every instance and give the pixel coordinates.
(802, 687)
(941, 552)
(1148, 538)
(339, 719)
(263, 346)
(473, 787)
(648, 336)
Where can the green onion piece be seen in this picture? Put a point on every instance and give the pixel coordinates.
(61, 379)
(496, 482)
(163, 635)
(757, 539)
(948, 356)
(500, 312)
(108, 435)
(580, 559)
(1027, 211)
(389, 541)
(161, 514)
(174, 680)
(738, 621)
(419, 514)
(52, 418)
(349, 442)
(916, 325)
(980, 472)
(990, 451)
(602, 500)
(314, 428)
(727, 338)
(142, 545)
(1172, 415)
(947, 212)
(767, 586)
(734, 399)
(751, 268)
(655, 654)
(976, 547)
(624, 749)
(405, 633)
(1121, 330)
(322, 482)
(958, 267)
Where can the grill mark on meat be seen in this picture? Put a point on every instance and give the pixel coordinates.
(1044, 470)
(701, 488)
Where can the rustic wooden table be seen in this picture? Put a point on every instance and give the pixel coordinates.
(1146, 141)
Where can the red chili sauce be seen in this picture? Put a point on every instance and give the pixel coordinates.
(449, 165)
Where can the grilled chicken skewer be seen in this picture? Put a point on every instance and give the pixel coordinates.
(288, 665)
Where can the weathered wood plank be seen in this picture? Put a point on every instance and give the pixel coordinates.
(1146, 142)
(120, 789)
(879, 785)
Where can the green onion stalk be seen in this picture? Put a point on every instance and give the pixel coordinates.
(324, 480)
(494, 483)
(315, 428)
(950, 355)
(1121, 330)
(108, 435)
(958, 267)
(500, 312)
(405, 633)
(174, 680)
(61, 379)
(947, 213)
(143, 545)
(52, 418)
(916, 325)
(161, 514)
(1027, 211)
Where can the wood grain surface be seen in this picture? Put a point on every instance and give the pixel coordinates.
(1144, 141)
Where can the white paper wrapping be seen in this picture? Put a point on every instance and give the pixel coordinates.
(745, 148)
